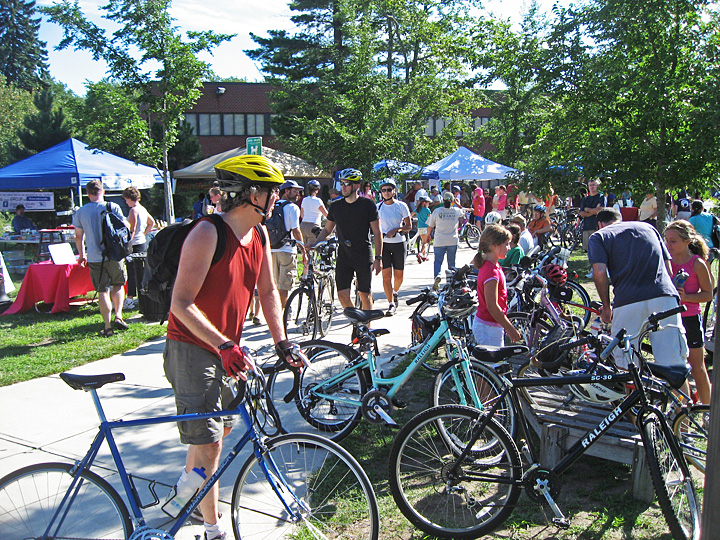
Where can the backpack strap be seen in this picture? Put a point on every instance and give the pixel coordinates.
(222, 237)
(261, 232)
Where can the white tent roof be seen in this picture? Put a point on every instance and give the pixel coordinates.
(291, 166)
(463, 164)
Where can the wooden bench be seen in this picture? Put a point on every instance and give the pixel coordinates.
(560, 422)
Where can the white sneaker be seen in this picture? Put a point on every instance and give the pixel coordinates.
(589, 274)
(129, 303)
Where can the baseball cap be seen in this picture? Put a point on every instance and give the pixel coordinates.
(448, 196)
(291, 184)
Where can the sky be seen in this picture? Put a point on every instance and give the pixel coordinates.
(74, 68)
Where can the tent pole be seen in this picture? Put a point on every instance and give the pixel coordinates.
(79, 195)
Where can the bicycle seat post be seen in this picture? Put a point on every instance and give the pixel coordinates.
(98, 406)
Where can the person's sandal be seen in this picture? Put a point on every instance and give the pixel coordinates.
(106, 332)
(121, 323)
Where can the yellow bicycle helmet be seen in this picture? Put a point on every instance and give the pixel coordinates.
(236, 172)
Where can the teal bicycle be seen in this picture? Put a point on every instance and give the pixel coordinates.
(291, 486)
(343, 385)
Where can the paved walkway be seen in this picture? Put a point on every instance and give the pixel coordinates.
(44, 420)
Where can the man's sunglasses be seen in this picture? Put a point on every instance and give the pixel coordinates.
(347, 184)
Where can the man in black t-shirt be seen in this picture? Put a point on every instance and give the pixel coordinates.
(354, 217)
(591, 204)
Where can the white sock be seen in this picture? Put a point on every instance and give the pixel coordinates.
(212, 531)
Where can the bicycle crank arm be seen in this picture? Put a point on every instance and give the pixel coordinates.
(559, 520)
(385, 416)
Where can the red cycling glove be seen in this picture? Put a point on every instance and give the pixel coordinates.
(235, 362)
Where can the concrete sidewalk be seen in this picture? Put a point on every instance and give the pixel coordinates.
(45, 420)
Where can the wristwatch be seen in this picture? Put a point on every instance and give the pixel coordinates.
(378, 257)
(226, 345)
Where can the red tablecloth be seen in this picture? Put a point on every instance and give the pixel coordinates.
(53, 284)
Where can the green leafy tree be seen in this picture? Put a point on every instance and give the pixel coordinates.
(15, 104)
(43, 129)
(108, 118)
(146, 55)
(22, 55)
(359, 80)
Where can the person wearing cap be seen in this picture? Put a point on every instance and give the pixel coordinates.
(312, 210)
(444, 221)
(540, 225)
(394, 222)
(526, 239)
(21, 222)
(354, 217)
(284, 258)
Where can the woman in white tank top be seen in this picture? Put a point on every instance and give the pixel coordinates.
(311, 210)
(141, 223)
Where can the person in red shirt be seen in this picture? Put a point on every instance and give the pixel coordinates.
(500, 200)
(208, 309)
(478, 204)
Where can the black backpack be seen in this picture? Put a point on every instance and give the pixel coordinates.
(276, 225)
(163, 258)
(115, 236)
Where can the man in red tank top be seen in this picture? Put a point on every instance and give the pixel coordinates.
(209, 306)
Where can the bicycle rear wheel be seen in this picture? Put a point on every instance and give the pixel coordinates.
(319, 481)
(671, 477)
(691, 429)
(30, 497)
(443, 497)
(472, 236)
(300, 315)
(450, 387)
(325, 305)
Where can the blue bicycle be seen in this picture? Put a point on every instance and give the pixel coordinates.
(291, 486)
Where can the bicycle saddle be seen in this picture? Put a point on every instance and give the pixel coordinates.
(87, 382)
(363, 315)
(485, 353)
(674, 375)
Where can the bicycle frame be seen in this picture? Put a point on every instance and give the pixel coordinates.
(105, 434)
(395, 383)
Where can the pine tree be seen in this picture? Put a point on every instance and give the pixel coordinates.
(42, 130)
(22, 55)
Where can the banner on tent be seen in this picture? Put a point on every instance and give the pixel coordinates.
(32, 201)
(118, 183)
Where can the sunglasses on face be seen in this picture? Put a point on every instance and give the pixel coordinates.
(346, 184)
(387, 190)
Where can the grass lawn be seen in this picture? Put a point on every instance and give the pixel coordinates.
(35, 344)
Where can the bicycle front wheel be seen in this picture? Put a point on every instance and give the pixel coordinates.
(325, 305)
(672, 479)
(691, 429)
(30, 500)
(305, 486)
(472, 236)
(450, 386)
(300, 315)
(442, 496)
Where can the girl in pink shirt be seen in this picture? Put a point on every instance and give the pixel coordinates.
(491, 322)
(689, 251)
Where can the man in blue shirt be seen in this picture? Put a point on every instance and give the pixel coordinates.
(21, 222)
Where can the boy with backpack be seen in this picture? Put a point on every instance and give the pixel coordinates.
(283, 230)
(107, 273)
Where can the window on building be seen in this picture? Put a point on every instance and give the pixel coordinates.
(191, 119)
(255, 124)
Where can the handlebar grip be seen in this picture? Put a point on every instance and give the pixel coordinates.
(415, 300)
(657, 317)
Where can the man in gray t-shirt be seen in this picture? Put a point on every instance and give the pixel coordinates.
(108, 276)
(637, 261)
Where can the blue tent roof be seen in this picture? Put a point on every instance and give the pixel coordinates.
(463, 164)
(73, 163)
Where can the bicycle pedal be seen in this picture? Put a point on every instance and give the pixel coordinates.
(561, 523)
(398, 404)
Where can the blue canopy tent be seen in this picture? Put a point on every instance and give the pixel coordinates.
(463, 164)
(72, 164)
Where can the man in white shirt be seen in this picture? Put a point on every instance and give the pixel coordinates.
(284, 258)
(526, 239)
(394, 221)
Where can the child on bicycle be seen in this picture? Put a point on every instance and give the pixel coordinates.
(422, 211)
(491, 323)
(689, 251)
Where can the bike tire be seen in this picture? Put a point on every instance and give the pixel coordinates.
(472, 236)
(583, 313)
(323, 416)
(671, 477)
(325, 306)
(445, 391)
(691, 429)
(420, 466)
(300, 315)
(29, 498)
(317, 479)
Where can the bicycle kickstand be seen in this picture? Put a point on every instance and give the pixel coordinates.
(560, 521)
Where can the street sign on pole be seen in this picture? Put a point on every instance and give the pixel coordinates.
(254, 146)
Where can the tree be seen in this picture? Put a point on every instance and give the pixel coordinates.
(15, 104)
(146, 30)
(637, 94)
(360, 79)
(43, 129)
(109, 118)
(22, 55)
